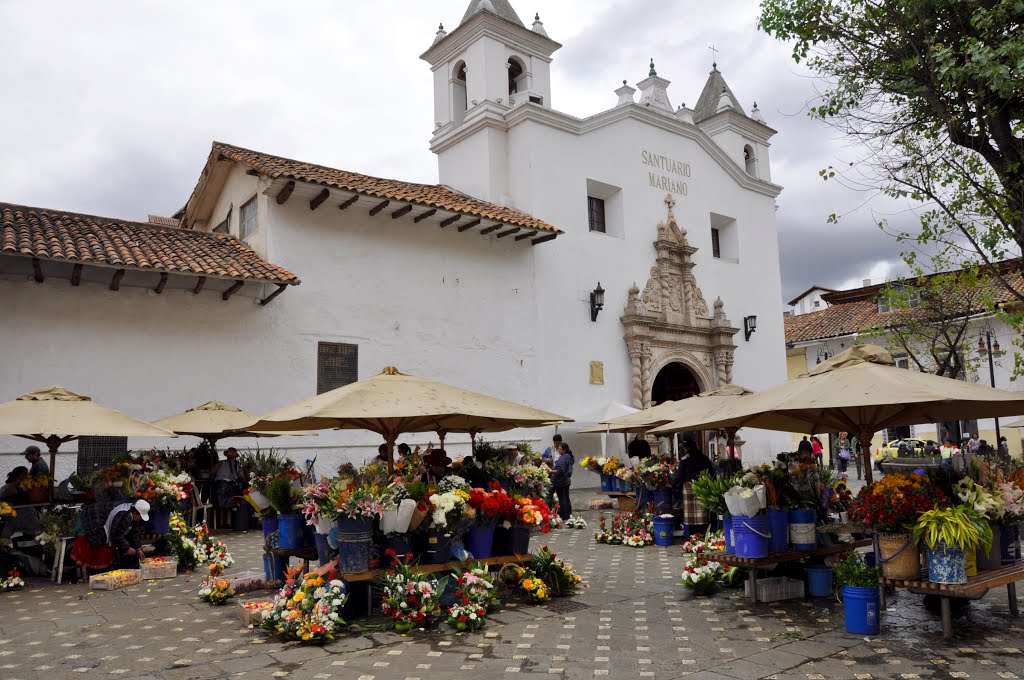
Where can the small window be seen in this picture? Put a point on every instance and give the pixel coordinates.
(337, 365)
(716, 243)
(817, 304)
(225, 226)
(536, 99)
(247, 218)
(596, 215)
(750, 160)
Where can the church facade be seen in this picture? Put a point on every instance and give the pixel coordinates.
(630, 256)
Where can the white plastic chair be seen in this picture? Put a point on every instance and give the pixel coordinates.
(198, 504)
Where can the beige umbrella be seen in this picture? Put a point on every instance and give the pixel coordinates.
(860, 391)
(216, 420)
(1016, 423)
(55, 415)
(393, 403)
(695, 407)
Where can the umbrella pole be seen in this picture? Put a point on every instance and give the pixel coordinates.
(53, 443)
(390, 439)
(440, 436)
(865, 454)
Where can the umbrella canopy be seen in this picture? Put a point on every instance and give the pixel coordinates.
(695, 407)
(1016, 423)
(393, 403)
(860, 391)
(55, 415)
(215, 420)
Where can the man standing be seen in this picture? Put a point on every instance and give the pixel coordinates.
(548, 456)
(805, 447)
(35, 459)
(692, 464)
(639, 448)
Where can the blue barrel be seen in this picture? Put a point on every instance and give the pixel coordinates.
(274, 567)
(480, 541)
(439, 546)
(607, 483)
(947, 564)
(727, 530)
(159, 521)
(663, 528)
(778, 524)
(269, 525)
(354, 539)
(662, 499)
(860, 607)
(750, 536)
(1009, 544)
(819, 580)
(291, 531)
(802, 531)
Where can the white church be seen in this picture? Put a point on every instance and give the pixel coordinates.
(630, 256)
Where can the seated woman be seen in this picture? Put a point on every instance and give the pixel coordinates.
(10, 492)
(111, 535)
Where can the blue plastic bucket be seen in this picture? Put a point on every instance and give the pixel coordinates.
(947, 564)
(480, 541)
(1009, 544)
(269, 525)
(439, 546)
(663, 528)
(861, 609)
(274, 567)
(778, 524)
(622, 485)
(159, 521)
(750, 536)
(802, 532)
(291, 531)
(819, 580)
(727, 530)
(354, 538)
(607, 483)
(662, 499)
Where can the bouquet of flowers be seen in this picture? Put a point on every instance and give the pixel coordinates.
(6, 512)
(307, 608)
(451, 483)
(611, 466)
(1012, 497)
(697, 544)
(410, 599)
(592, 463)
(216, 591)
(529, 480)
(841, 497)
(34, 482)
(558, 576)
(357, 500)
(534, 588)
(193, 545)
(576, 522)
(531, 512)
(635, 529)
(700, 579)
(710, 491)
(448, 510)
(894, 503)
(160, 489)
(487, 505)
(317, 506)
(986, 503)
(12, 581)
(474, 597)
(655, 473)
(625, 474)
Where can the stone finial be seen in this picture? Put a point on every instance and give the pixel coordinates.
(538, 25)
(684, 114)
(625, 94)
(724, 102)
(652, 72)
(654, 92)
(633, 304)
(441, 33)
(755, 114)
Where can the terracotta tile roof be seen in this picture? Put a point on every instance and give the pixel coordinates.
(856, 310)
(431, 195)
(72, 237)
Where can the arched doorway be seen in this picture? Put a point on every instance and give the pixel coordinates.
(674, 381)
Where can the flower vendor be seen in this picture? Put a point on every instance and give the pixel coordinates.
(692, 463)
(561, 479)
(35, 458)
(225, 485)
(10, 491)
(111, 534)
(438, 466)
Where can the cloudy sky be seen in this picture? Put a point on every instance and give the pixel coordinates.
(111, 105)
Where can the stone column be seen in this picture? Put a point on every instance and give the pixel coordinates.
(638, 389)
(645, 374)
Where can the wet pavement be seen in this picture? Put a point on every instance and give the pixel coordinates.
(633, 621)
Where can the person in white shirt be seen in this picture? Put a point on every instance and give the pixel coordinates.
(948, 450)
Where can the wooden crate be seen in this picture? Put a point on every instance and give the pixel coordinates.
(168, 568)
(112, 580)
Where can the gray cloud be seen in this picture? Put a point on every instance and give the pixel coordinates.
(113, 113)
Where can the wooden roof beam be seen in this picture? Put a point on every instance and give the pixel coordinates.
(76, 275)
(422, 216)
(401, 211)
(523, 237)
(469, 225)
(319, 199)
(285, 192)
(349, 203)
(488, 230)
(37, 270)
(280, 289)
(232, 290)
(115, 281)
(544, 239)
(508, 232)
(380, 206)
(450, 220)
(160, 286)
(199, 285)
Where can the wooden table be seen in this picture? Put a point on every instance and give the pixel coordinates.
(753, 564)
(974, 589)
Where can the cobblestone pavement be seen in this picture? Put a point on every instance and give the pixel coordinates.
(633, 621)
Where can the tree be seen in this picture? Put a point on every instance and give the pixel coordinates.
(934, 91)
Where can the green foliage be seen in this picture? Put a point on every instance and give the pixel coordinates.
(958, 525)
(933, 94)
(854, 571)
(282, 495)
(710, 490)
(417, 490)
(485, 451)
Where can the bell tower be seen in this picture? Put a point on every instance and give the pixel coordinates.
(488, 65)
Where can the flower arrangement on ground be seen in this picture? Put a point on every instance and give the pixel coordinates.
(307, 608)
(411, 600)
(576, 522)
(894, 503)
(559, 576)
(695, 577)
(12, 581)
(216, 591)
(475, 595)
(635, 529)
(193, 546)
(701, 579)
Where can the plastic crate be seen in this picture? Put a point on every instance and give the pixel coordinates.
(251, 612)
(154, 568)
(112, 580)
(776, 588)
(247, 581)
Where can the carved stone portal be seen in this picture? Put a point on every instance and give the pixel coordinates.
(670, 321)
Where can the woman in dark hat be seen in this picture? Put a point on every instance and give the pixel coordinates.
(437, 462)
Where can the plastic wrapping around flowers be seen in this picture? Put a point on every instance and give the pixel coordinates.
(746, 501)
(475, 596)
(308, 608)
(410, 599)
(12, 581)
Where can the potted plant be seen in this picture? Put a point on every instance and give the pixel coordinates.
(949, 533)
(283, 497)
(989, 503)
(164, 493)
(857, 588)
(892, 506)
(710, 491)
(656, 476)
(485, 514)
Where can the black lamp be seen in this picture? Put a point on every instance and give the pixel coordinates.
(596, 301)
(749, 326)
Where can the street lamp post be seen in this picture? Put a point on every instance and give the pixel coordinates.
(985, 344)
